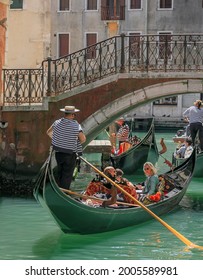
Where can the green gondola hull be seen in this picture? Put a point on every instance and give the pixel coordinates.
(131, 161)
(72, 215)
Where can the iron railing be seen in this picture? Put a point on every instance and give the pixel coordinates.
(119, 54)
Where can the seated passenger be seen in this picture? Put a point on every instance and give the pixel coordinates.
(102, 188)
(127, 186)
(150, 186)
(111, 173)
(185, 150)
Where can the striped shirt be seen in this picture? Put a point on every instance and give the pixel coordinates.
(79, 148)
(65, 135)
(123, 133)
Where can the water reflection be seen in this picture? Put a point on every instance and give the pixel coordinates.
(45, 247)
(147, 241)
(193, 202)
(28, 232)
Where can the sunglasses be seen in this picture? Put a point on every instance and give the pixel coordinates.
(146, 168)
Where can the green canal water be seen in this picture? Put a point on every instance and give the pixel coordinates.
(28, 232)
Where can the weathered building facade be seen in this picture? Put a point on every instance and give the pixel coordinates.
(3, 28)
(28, 33)
(77, 23)
(80, 23)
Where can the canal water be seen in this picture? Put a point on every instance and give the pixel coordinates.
(28, 232)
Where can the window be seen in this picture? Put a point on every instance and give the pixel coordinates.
(165, 39)
(91, 39)
(16, 4)
(112, 9)
(63, 44)
(91, 4)
(64, 5)
(166, 101)
(135, 4)
(134, 45)
(165, 4)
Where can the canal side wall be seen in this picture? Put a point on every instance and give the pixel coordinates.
(24, 144)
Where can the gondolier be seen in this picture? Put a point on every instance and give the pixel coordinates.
(195, 117)
(67, 135)
(132, 160)
(123, 133)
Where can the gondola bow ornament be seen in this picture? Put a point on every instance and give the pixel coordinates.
(164, 149)
(163, 145)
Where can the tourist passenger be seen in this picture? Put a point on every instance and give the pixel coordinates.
(195, 117)
(150, 185)
(65, 133)
(120, 179)
(185, 150)
(111, 173)
(127, 186)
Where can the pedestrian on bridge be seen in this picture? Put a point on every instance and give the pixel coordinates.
(195, 116)
(67, 135)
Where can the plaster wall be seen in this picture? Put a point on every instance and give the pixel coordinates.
(3, 28)
(186, 16)
(28, 35)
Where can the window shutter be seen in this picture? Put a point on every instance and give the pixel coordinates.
(63, 44)
(91, 39)
(103, 9)
(122, 9)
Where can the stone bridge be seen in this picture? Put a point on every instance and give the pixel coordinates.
(117, 85)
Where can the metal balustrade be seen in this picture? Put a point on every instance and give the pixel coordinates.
(119, 54)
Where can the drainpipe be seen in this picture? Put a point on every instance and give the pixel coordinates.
(146, 32)
(146, 17)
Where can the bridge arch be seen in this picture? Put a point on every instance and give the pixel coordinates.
(103, 117)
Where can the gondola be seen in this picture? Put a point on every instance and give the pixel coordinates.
(179, 138)
(198, 171)
(72, 215)
(132, 160)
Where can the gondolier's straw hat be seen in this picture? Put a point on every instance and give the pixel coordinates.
(69, 109)
(120, 121)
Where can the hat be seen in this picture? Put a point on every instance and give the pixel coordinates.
(120, 120)
(108, 168)
(69, 109)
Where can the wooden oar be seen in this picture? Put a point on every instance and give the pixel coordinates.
(170, 164)
(175, 232)
(94, 198)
